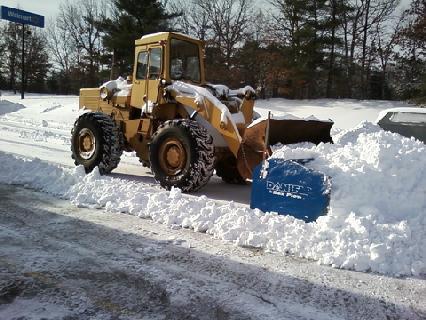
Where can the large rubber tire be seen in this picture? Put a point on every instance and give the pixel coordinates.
(108, 145)
(227, 169)
(196, 150)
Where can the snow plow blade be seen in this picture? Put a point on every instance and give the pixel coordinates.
(258, 137)
(288, 187)
(279, 185)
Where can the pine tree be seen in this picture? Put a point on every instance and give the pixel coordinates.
(10, 55)
(301, 28)
(411, 62)
(36, 58)
(130, 20)
(36, 61)
(2, 59)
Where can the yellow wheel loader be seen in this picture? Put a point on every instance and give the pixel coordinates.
(178, 124)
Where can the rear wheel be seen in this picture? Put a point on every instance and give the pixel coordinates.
(182, 155)
(226, 168)
(96, 141)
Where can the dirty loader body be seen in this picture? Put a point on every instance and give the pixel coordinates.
(168, 103)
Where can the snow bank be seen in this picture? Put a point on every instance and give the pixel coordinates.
(39, 175)
(376, 220)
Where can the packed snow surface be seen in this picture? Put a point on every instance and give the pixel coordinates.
(377, 213)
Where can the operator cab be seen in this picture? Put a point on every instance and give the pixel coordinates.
(164, 56)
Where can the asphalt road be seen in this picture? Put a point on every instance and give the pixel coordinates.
(62, 262)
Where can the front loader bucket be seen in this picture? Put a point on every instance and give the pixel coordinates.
(255, 143)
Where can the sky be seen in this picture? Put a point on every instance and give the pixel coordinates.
(49, 8)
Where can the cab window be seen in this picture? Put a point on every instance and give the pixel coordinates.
(184, 60)
(155, 63)
(142, 65)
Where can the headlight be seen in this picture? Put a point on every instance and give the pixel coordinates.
(105, 94)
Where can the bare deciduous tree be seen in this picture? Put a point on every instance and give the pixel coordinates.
(193, 19)
(386, 39)
(77, 21)
(222, 23)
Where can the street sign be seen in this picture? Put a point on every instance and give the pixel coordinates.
(21, 16)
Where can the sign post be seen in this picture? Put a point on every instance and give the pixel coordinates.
(22, 17)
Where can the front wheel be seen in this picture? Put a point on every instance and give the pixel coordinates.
(96, 141)
(182, 155)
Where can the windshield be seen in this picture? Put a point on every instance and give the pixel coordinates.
(184, 61)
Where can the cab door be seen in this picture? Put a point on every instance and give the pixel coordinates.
(139, 77)
(146, 77)
(154, 75)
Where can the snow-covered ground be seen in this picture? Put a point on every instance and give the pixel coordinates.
(346, 113)
(377, 212)
(62, 262)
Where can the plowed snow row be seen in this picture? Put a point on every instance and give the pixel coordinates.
(376, 220)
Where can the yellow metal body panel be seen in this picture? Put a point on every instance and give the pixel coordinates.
(118, 105)
(89, 98)
(136, 133)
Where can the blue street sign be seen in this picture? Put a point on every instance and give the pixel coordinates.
(21, 16)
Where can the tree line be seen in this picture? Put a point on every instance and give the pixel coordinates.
(365, 49)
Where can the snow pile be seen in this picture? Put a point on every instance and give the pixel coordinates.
(201, 94)
(118, 87)
(376, 220)
(224, 91)
(39, 175)
(242, 91)
(221, 90)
